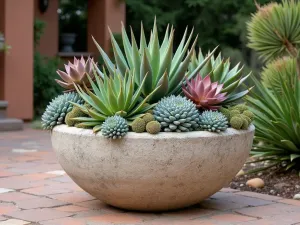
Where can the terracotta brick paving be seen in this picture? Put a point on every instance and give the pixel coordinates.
(34, 190)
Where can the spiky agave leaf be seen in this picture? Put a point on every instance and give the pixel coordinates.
(274, 30)
(113, 95)
(204, 93)
(281, 68)
(277, 122)
(166, 69)
(220, 71)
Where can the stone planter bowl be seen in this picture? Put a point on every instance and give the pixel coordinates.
(152, 172)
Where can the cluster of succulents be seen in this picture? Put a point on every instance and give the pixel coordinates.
(239, 116)
(146, 123)
(149, 88)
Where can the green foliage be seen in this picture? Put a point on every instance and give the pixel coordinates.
(277, 121)
(58, 108)
(114, 127)
(38, 30)
(274, 31)
(213, 121)
(176, 114)
(218, 22)
(281, 68)
(44, 74)
(113, 95)
(165, 69)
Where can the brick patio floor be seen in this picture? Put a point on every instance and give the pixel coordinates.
(35, 190)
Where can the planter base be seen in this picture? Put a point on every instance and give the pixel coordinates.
(152, 172)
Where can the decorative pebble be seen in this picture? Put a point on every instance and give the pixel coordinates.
(260, 174)
(297, 186)
(272, 192)
(256, 183)
(242, 185)
(281, 185)
(240, 173)
(297, 196)
(252, 164)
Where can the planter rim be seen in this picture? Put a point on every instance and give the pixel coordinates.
(162, 135)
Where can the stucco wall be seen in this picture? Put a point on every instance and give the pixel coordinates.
(17, 67)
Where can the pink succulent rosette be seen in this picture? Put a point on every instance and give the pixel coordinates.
(204, 93)
(76, 73)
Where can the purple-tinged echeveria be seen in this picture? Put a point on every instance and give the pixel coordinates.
(76, 73)
(204, 93)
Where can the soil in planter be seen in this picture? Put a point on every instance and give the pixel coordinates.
(277, 182)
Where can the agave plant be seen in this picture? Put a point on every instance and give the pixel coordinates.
(274, 30)
(165, 69)
(204, 93)
(76, 73)
(113, 95)
(277, 70)
(277, 122)
(219, 71)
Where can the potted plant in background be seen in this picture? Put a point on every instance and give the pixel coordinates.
(73, 25)
(157, 130)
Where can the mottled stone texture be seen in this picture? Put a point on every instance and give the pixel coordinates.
(151, 172)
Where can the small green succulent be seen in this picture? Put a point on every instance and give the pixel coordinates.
(113, 95)
(58, 108)
(114, 127)
(176, 114)
(138, 125)
(213, 121)
(153, 127)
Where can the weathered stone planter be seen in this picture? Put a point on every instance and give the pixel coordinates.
(151, 172)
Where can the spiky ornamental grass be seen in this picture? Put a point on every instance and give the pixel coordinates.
(277, 122)
(112, 95)
(58, 108)
(176, 114)
(114, 127)
(219, 70)
(166, 68)
(274, 30)
(284, 68)
(213, 121)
